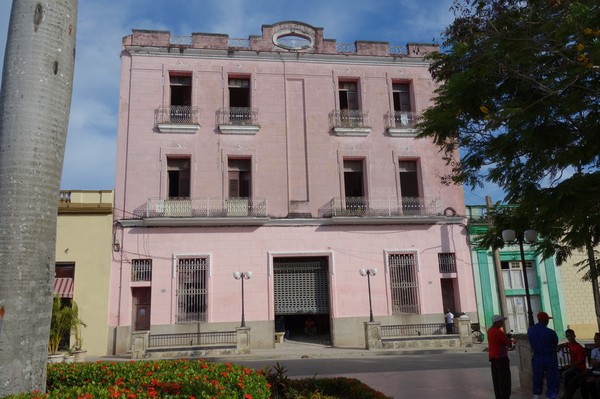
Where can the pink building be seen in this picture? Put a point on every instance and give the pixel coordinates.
(291, 156)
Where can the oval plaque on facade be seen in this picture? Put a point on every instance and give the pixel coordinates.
(294, 36)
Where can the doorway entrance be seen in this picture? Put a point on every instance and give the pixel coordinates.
(448, 295)
(141, 308)
(301, 297)
(516, 306)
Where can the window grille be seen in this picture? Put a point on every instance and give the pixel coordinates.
(141, 270)
(191, 290)
(447, 262)
(404, 284)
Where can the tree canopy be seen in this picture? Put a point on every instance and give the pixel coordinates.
(519, 94)
(519, 101)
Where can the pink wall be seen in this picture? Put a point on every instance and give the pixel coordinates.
(249, 249)
(297, 164)
(314, 88)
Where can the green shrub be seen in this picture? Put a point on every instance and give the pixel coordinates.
(283, 387)
(338, 387)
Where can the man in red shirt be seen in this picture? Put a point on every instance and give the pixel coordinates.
(576, 367)
(498, 345)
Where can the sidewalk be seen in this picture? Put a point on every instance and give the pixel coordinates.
(303, 350)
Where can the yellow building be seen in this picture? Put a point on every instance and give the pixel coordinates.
(83, 259)
(579, 298)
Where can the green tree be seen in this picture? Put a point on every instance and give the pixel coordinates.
(519, 99)
(570, 220)
(520, 92)
(35, 101)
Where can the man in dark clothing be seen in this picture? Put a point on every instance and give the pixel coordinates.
(544, 343)
(498, 344)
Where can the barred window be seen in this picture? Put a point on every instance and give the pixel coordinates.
(191, 290)
(141, 270)
(404, 284)
(447, 262)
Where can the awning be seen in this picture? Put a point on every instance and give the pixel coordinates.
(63, 287)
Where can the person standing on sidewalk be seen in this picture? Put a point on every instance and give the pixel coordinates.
(449, 317)
(498, 345)
(544, 344)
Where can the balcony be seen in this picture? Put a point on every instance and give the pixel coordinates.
(349, 122)
(177, 119)
(238, 120)
(384, 208)
(205, 208)
(401, 124)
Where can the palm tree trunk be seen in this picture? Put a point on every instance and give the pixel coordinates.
(594, 279)
(35, 100)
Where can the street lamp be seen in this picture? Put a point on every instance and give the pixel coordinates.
(530, 237)
(242, 276)
(369, 273)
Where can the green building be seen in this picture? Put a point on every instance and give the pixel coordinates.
(500, 276)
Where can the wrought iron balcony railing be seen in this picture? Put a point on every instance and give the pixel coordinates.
(477, 214)
(177, 114)
(400, 120)
(349, 118)
(238, 116)
(383, 207)
(404, 330)
(205, 207)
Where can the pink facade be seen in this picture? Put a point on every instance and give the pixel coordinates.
(291, 156)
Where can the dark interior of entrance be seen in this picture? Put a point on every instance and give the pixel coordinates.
(301, 291)
(297, 327)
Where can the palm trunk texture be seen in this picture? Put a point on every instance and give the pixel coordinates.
(35, 100)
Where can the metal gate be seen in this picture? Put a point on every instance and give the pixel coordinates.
(301, 285)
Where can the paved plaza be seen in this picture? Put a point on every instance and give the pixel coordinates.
(432, 379)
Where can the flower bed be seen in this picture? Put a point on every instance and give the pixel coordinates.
(152, 379)
(190, 379)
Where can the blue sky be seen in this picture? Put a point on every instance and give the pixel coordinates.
(90, 152)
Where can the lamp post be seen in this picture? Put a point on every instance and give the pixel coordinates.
(369, 273)
(530, 237)
(242, 276)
